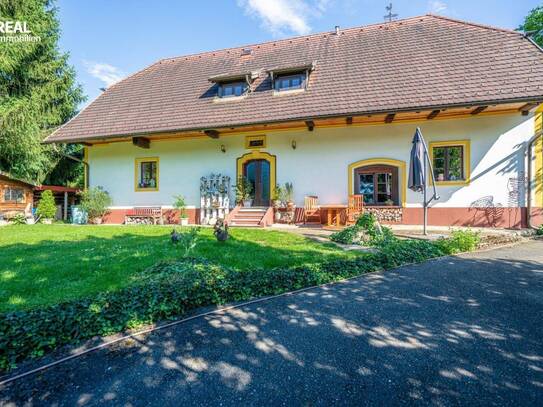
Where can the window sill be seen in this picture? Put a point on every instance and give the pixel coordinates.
(229, 99)
(451, 183)
(383, 206)
(146, 189)
(288, 92)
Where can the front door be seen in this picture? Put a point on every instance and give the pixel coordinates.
(258, 174)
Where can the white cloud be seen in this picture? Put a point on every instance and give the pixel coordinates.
(437, 6)
(285, 16)
(107, 73)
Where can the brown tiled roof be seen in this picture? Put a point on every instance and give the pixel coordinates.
(420, 62)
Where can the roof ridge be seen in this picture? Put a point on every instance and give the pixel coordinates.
(486, 26)
(296, 37)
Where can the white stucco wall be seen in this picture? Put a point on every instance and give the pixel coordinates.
(318, 166)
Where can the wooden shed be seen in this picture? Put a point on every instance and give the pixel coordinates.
(16, 196)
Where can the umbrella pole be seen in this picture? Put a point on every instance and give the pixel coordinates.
(424, 204)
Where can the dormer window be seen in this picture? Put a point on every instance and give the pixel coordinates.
(232, 89)
(287, 78)
(290, 81)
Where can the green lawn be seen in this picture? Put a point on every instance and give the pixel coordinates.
(47, 264)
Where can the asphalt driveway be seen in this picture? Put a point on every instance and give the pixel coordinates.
(459, 330)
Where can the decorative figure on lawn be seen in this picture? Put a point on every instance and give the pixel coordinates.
(220, 230)
(175, 236)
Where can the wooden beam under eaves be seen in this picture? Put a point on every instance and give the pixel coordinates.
(349, 120)
(390, 117)
(478, 110)
(433, 114)
(525, 109)
(310, 125)
(141, 142)
(212, 133)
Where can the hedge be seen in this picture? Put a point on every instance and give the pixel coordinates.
(170, 289)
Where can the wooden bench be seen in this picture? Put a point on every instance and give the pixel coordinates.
(152, 212)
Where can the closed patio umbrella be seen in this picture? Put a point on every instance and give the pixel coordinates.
(418, 172)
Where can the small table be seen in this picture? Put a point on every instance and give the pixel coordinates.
(334, 211)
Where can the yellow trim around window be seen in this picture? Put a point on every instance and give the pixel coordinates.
(259, 155)
(466, 155)
(538, 173)
(248, 140)
(137, 163)
(402, 176)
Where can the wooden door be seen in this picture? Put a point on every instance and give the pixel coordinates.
(258, 174)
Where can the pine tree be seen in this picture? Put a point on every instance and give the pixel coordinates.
(38, 93)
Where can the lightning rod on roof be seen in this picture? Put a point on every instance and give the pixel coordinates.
(390, 16)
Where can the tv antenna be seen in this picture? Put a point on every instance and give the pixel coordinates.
(390, 16)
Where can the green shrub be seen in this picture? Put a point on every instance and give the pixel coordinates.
(366, 227)
(397, 252)
(95, 201)
(367, 221)
(181, 205)
(348, 235)
(459, 241)
(46, 207)
(188, 240)
(18, 219)
(539, 230)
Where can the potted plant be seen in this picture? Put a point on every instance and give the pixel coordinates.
(95, 201)
(277, 195)
(181, 205)
(389, 202)
(289, 195)
(244, 190)
(46, 207)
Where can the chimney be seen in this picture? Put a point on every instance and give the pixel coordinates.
(337, 29)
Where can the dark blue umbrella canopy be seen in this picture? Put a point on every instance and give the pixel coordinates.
(417, 167)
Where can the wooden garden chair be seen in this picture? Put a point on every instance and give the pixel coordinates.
(355, 208)
(311, 209)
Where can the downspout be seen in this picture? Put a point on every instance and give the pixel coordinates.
(529, 158)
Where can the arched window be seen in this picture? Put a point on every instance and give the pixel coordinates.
(378, 184)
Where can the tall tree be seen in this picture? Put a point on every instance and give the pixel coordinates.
(534, 23)
(38, 93)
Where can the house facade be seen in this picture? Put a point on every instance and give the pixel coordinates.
(334, 114)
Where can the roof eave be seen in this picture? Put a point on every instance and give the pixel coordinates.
(538, 100)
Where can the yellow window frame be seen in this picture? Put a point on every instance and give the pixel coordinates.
(249, 139)
(466, 155)
(137, 164)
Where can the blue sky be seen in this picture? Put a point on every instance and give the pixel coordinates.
(109, 39)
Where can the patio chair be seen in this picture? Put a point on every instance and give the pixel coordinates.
(355, 208)
(311, 209)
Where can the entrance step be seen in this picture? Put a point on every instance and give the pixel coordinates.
(248, 217)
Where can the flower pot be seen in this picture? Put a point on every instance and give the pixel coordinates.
(47, 221)
(96, 221)
(247, 203)
(184, 221)
(30, 221)
(277, 216)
